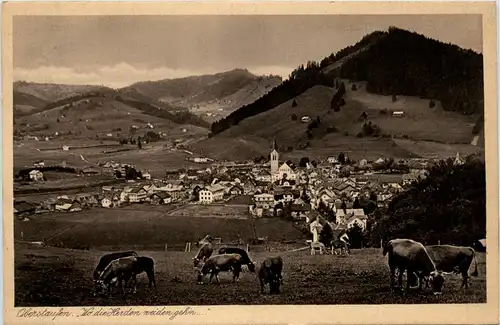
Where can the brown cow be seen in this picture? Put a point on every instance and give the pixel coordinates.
(118, 270)
(456, 259)
(218, 263)
(412, 257)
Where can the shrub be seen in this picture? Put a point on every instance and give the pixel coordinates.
(383, 111)
(331, 129)
(345, 133)
(294, 103)
(354, 88)
(294, 117)
(432, 104)
(359, 135)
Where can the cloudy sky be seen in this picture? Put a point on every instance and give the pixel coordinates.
(119, 50)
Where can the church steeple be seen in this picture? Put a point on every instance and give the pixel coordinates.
(274, 159)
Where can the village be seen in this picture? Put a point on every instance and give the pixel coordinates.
(349, 190)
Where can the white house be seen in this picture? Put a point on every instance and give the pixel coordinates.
(65, 148)
(347, 216)
(263, 176)
(398, 114)
(360, 220)
(106, 202)
(264, 200)
(212, 193)
(137, 194)
(332, 160)
(36, 175)
(146, 175)
(305, 119)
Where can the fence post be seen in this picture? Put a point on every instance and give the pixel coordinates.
(166, 247)
(439, 242)
(381, 243)
(22, 235)
(248, 247)
(189, 247)
(186, 248)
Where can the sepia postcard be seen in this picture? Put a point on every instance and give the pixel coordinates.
(250, 163)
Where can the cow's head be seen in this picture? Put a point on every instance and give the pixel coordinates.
(101, 287)
(196, 261)
(436, 280)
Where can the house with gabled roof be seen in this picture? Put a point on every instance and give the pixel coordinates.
(137, 194)
(22, 208)
(236, 190)
(160, 198)
(212, 193)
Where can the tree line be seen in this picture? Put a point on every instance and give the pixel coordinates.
(447, 206)
(299, 81)
(408, 63)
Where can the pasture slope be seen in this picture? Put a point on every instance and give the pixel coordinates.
(253, 136)
(47, 276)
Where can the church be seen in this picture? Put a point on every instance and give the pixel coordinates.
(277, 171)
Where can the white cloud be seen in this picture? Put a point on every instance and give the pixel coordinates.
(122, 74)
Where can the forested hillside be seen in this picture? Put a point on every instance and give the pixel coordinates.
(396, 62)
(406, 63)
(448, 206)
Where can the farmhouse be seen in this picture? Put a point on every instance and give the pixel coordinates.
(212, 193)
(332, 160)
(137, 194)
(398, 114)
(264, 200)
(305, 119)
(106, 202)
(160, 198)
(236, 190)
(39, 164)
(22, 208)
(65, 148)
(263, 176)
(36, 175)
(359, 220)
(344, 216)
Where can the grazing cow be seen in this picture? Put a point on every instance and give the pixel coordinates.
(106, 259)
(456, 259)
(104, 262)
(118, 270)
(411, 256)
(144, 264)
(270, 273)
(245, 259)
(218, 263)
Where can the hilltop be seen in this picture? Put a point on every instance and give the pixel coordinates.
(396, 62)
(211, 96)
(104, 117)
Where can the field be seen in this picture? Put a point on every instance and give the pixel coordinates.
(153, 157)
(46, 276)
(137, 227)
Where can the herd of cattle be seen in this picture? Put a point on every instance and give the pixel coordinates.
(427, 264)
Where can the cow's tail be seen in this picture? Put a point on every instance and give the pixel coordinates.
(474, 273)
